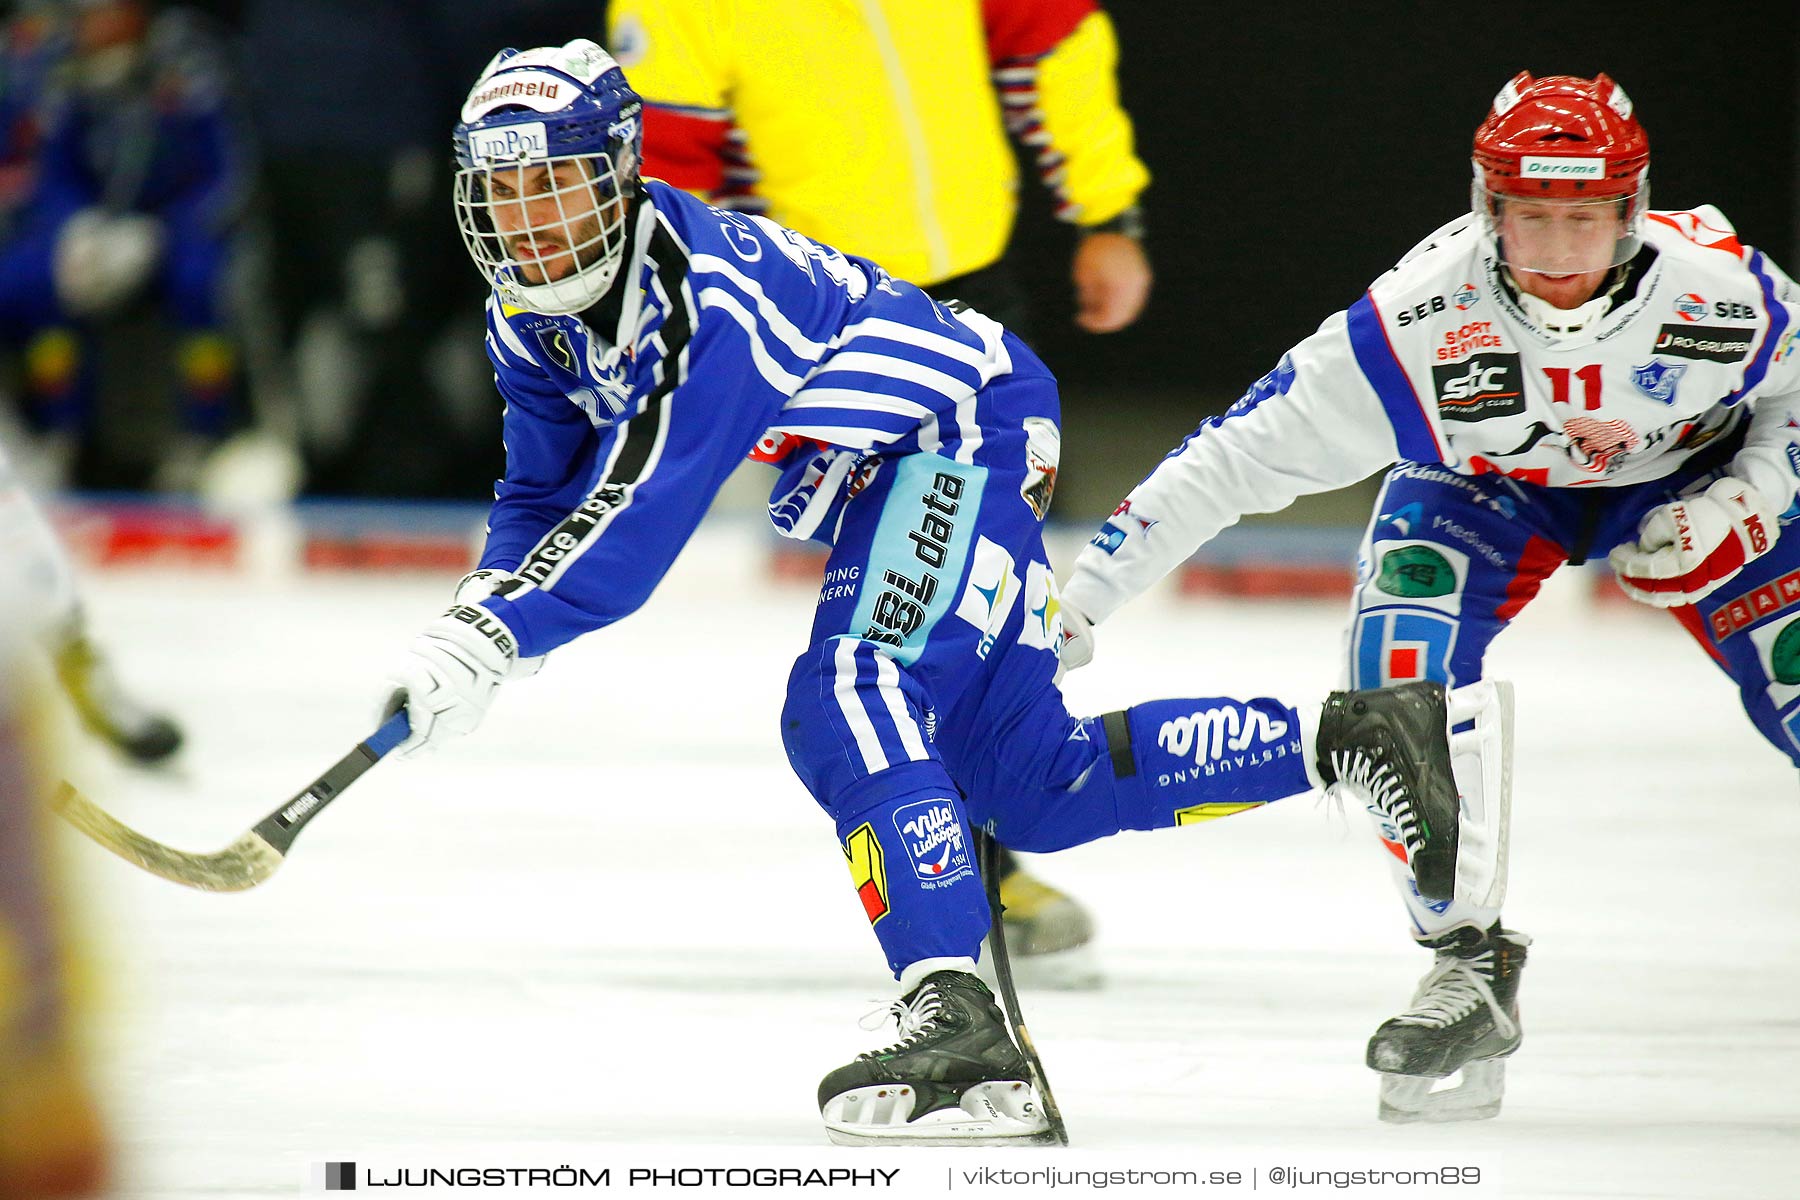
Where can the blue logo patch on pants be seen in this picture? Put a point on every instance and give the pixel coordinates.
(1399, 647)
(918, 554)
(1791, 723)
(935, 845)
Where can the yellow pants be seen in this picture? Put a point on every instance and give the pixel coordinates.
(52, 1141)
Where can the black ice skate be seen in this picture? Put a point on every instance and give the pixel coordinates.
(954, 1078)
(107, 710)
(1464, 1017)
(1392, 744)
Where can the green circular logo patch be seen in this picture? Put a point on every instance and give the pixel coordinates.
(1784, 655)
(1414, 571)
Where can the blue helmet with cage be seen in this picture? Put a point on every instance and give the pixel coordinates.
(548, 150)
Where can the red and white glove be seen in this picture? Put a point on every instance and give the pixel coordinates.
(1687, 548)
(449, 676)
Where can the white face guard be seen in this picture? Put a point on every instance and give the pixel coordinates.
(548, 233)
(1561, 236)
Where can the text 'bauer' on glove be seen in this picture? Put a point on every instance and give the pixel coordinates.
(450, 674)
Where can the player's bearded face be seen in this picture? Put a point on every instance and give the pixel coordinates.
(1560, 250)
(550, 217)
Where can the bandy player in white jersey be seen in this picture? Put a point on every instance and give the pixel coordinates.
(1560, 374)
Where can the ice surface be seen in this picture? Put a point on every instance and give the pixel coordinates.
(567, 930)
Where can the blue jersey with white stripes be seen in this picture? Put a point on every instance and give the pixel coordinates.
(727, 336)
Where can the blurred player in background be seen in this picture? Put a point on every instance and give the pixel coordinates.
(645, 344)
(36, 47)
(1562, 374)
(125, 178)
(881, 130)
(52, 1139)
(34, 558)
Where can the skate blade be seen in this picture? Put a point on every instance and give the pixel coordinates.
(999, 1113)
(1476, 1096)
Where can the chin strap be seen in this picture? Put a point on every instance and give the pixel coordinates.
(1564, 322)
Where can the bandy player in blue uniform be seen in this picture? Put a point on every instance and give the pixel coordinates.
(645, 344)
(1563, 374)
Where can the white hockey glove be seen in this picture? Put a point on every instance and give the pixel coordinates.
(103, 258)
(1077, 639)
(450, 674)
(477, 586)
(1687, 548)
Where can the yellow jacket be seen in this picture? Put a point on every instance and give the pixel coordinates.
(879, 126)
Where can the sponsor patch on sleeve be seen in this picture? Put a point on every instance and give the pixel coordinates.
(1705, 342)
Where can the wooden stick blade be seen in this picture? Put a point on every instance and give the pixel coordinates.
(240, 866)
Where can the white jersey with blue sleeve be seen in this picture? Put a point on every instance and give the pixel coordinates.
(1438, 363)
(727, 336)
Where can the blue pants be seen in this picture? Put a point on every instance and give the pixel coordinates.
(1449, 560)
(925, 703)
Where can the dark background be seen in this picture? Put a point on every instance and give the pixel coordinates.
(1298, 152)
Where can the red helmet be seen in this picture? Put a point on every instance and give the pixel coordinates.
(1561, 176)
(1561, 137)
